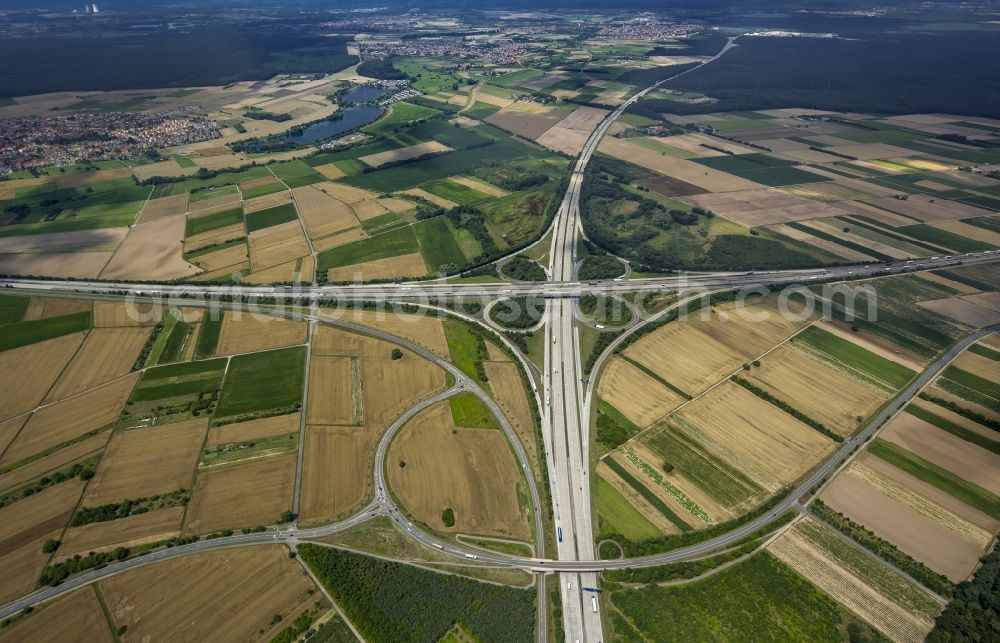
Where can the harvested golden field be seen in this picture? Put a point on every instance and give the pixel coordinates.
(369, 209)
(56, 460)
(100, 240)
(9, 429)
(708, 179)
(248, 333)
(638, 396)
(927, 508)
(336, 471)
(927, 208)
(253, 430)
(227, 595)
(330, 399)
(703, 144)
(245, 495)
(571, 133)
(227, 257)
(322, 214)
(411, 265)
(110, 315)
(820, 392)
(404, 153)
(79, 265)
(295, 270)
(392, 386)
(510, 394)
(433, 198)
(752, 208)
(686, 357)
(823, 244)
(397, 205)
(28, 372)
(71, 418)
(962, 310)
(936, 546)
(328, 340)
(929, 492)
(529, 120)
(978, 365)
(481, 186)
(106, 354)
(156, 209)
(215, 203)
(470, 470)
(754, 436)
(212, 237)
(330, 171)
(151, 251)
(277, 245)
(963, 458)
(138, 529)
(880, 608)
(24, 526)
(77, 617)
(334, 240)
(424, 330)
(272, 200)
(756, 328)
(345, 193)
(144, 462)
(166, 169)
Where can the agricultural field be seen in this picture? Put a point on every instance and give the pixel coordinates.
(434, 466)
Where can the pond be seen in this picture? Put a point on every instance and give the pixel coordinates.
(347, 119)
(363, 94)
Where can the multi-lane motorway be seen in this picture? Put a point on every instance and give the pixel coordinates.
(564, 402)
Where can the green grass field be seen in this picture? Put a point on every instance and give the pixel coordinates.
(617, 515)
(648, 495)
(214, 221)
(264, 381)
(37, 330)
(179, 380)
(759, 599)
(968, 492)
(716, 478)
(12, 308)
(971, 387)
(262, 190)
(468, 411)
(438, 244)
(465, 347)
(400, 114)
(208, 337)
(211, 193)
(856, 357)
(271, 217)
(295, 173)
(460, 194)
(396, 242)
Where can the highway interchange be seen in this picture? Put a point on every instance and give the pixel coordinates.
(564, 400)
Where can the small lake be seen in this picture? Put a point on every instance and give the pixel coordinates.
(363, 94)
(350, 118)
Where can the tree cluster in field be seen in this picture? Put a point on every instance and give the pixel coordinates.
(382, 69)
(519, 339)
(974, 612)
(84, 470)
(131, 507)
(448, 517)
(883, 548)
(521, 268)
(265, 145)
(140, 361)
(260, 115)
(787, 408)
(389, 601)
(298, 627)
(508, 176)
(610, 433)
(600, 267)
(518, 312)
(604, 340)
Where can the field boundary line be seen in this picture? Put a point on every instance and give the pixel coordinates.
(303, 411)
